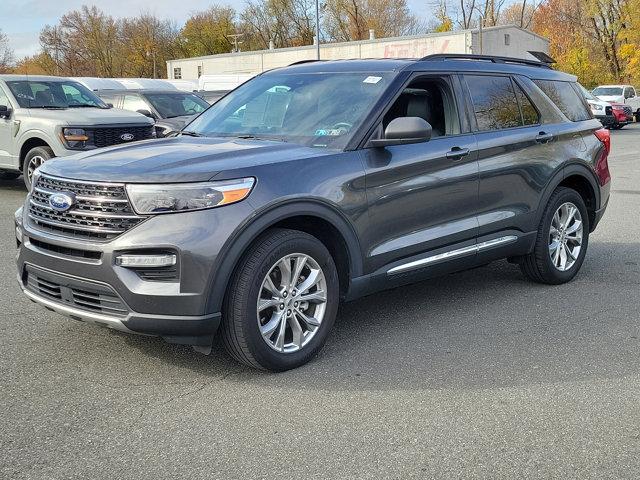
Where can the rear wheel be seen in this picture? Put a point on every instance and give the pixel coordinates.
(562, 240)
(281, 302)
(34, 158)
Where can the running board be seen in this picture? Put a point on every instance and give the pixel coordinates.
(460, 252)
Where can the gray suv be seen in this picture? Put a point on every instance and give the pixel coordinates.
(315, 183)
(44, 117)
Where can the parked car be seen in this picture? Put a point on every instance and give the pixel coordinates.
(622, 114)
(221, 81)
(314, 183)
(184, 85)
(171, 109)
(600, 109)
(45, 117)
(148, 83)
(621, 94)
(96, 83)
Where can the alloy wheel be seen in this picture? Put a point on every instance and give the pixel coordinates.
(34, 162)
(565, 236)
(292, 303)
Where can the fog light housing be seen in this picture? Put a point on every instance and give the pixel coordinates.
(130, 260)
(18, 237)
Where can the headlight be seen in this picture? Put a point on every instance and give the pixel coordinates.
(181, 197)
(595, 106)
(75, 138)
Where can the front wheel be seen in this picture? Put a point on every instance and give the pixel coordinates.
(562, 240)
(282, 301)
(34, 158)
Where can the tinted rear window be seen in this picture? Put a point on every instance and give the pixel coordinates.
(566, 99)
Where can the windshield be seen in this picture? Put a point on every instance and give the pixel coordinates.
(171, 105)
(608, 91)
(313, 109)
(53, 94)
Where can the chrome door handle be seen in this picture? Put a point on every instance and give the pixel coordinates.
(457, 153)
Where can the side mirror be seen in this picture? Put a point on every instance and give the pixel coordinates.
(146, 113)
(5, 112)
(110, 105)
(403, 131)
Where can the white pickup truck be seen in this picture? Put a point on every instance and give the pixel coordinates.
(620, 94)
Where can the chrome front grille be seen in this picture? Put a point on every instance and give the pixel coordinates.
(101, 210)
(79, 294)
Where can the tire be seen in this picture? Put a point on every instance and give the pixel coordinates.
(241, 320)
(7, 175)
(34, 158)
(617, 126)
(539, 265)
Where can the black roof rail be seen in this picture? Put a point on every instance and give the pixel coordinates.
(304, 61)
(486, 58)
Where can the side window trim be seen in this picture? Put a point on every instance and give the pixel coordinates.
(6, 95)
(516, 85)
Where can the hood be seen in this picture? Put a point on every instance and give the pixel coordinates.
(91, 116)
(178, 159)
(612, 98)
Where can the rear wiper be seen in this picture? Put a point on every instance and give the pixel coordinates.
(190, 134)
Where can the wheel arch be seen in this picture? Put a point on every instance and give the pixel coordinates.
(315, 217)
(579, 177)
(32, 142)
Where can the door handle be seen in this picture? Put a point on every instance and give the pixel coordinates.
(457, 153)
(544, 137)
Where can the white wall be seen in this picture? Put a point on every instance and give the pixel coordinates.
(465, 41)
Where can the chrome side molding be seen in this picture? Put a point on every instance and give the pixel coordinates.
(460, 252)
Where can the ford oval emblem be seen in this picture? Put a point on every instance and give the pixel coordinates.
(61, 202)
(127, 137)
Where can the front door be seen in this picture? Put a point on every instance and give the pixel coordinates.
(422, 197)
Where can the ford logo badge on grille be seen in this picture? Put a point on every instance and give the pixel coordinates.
(61, 202)
(127, 137)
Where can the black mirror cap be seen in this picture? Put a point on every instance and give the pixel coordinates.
(5, 111)
(109, 104)
(403, 131)
(146, 113)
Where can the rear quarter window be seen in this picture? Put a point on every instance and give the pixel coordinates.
(566, 98)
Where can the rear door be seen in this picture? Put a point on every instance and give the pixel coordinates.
(422, 197)
(516, 152)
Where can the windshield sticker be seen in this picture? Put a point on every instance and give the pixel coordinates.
(334, 132)
(372, 80)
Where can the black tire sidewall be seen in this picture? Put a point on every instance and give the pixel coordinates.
(267, 357)
(554, 275)
(43, 151)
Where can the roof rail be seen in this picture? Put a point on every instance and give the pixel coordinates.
(486, 58)
(304, 61)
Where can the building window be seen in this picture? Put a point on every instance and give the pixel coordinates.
(507, 39)
(199, 71)
(177, 73)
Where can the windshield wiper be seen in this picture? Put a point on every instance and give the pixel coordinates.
(190, 133)
(49, 107)
(84, 105)
(254, 137)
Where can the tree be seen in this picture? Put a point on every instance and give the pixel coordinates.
(206, 33)
(6, 54)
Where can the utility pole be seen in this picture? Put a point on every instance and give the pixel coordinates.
(236, 43)
(481, 24)
(317, 29)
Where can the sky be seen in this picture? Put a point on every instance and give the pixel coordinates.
(22, 20)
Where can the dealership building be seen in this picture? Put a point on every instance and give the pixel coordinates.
(510, 41)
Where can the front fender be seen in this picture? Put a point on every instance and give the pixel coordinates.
(265, 218)
(24, 137)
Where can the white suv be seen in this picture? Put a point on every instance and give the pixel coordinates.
(620, 94)
(44, 117)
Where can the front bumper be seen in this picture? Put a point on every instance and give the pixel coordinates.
(606, 120)
(96, 290)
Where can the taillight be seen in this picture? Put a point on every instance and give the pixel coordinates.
(602, 165)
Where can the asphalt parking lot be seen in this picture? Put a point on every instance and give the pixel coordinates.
(479, 374)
